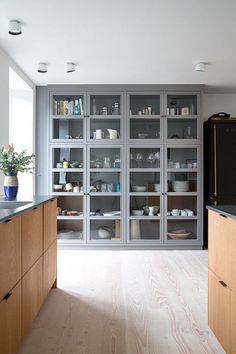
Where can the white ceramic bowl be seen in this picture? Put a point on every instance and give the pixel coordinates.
(180, 186)
(139, 188)
(104, 232)
(57, 187)
(146, 209)
(137, 212)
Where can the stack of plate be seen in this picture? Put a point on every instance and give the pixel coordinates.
(180, 186)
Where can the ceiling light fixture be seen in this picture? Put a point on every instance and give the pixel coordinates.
(14, 27)
(199, 67)
(42, 68)
(70, 67)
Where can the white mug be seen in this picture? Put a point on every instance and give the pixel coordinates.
(98, 133)
(76, 189)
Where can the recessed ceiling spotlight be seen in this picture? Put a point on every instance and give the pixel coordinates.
(14, 27)
(42, 68)
(199, 67)
(70, 67)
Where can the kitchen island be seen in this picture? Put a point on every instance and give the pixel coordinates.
(222, 274)
(27, 265)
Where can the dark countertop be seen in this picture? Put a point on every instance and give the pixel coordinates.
(9, 212)
(227, 210)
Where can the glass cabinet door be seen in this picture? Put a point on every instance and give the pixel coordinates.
(106, 187)
(145, 187)
(144, 113)
(67, 117)
(70, 219)
(67, 167)
(105, 117)
(182, 194)
(182, 117)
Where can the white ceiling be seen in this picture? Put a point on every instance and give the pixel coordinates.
(123, 41)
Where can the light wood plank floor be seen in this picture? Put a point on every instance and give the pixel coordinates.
(126, 302)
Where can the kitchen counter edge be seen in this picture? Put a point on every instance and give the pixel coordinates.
(6, 214)
(226, 210)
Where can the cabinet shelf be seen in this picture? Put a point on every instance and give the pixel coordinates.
(105, 169)
(64, 117)
(151, 116)
(145, 217)
(62, 217)
(67, 170)
(105, 217)
(182, 217)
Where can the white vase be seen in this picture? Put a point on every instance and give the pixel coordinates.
(135, 232)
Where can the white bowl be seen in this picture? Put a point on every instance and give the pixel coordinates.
(137, 212)
(146, 209)
(139, 188)
(180, 186)
(104, 232)
(57, 187)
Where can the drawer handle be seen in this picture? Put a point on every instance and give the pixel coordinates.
(223, 283)
(8, 220)
(6, 297)
(35, 208)
(223, 216)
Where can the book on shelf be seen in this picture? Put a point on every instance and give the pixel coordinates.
(68, 107)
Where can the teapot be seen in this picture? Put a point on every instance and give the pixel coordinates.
(112, 133)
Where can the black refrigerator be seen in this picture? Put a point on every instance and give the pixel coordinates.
(219, 164)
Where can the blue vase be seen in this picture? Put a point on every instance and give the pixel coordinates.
(10, 186)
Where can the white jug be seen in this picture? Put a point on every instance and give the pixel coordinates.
(113, 133)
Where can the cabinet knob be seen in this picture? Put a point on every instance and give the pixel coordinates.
(223, 216)
(35, 208)
(6, 297)
(8, 220)
(223, 283)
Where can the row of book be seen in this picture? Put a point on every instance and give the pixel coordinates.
(68, 107)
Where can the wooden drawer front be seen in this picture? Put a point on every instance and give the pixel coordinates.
(10, 322)
(10, 254)
(50, 223)
(32, 298)
(219, 310)
(233, 322)
(220, 229)
(49, 268)
(32, 237)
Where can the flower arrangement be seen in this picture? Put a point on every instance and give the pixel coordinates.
(12, 162)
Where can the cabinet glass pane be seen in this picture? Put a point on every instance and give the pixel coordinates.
(144, 105)
(182, 128)
(144, 206)
(144, 128)
(105, 230)
(144, 158)
(67, 157)
(69, 206)
(105, 157)
(182, 182)
(181, 105)
(144, 230)
(105, 182)
(144, 182)
(69, 230)
(105, 105)
(68, 182)
(108, 129)
(181, 229)
(183, 206)
(104, 206)
(66, 129)
(67, 105)
(182, 157)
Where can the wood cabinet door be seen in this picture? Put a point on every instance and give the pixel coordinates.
(10, 254)
(219, 231)
(49, 268)
(233, 322)
(32, 284)
(219, 310)
(32, 237)
(50, 223)
(10, 322)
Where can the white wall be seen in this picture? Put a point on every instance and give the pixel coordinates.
(218, 102)
(5, 62)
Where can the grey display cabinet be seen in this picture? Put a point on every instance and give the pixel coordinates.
(125, 163)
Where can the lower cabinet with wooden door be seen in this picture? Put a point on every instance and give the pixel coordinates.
(10, 321)
(221, 290)
(27, 270)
